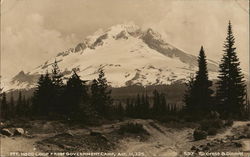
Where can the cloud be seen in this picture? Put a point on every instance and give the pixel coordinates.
(29, 43)
(189, 25)
(33, 31)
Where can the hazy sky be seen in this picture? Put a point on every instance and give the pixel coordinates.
(34, 30)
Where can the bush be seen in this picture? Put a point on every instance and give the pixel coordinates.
(199, 134)
(212, 131)
(133, 128)
(212, 123)
(229, 122)
(214, 115)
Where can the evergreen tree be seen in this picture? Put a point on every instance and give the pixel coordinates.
(57, 89)
(133, 108)
(231, 86)
(25, 107)
(168, 109)
(75, 94)
(137, 107)
(56, 75)
(199, 97)
(120, 110)
(101, 95)
(202, 92)
(188, 98)
(42, 96)
(4, 106)
(157, 103)
(163, 104)
(12, 105)
(147, 105)
(29, 107)
(129, 108)
(95, 96)
(20, 105)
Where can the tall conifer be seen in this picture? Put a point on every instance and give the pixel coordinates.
(231, 86)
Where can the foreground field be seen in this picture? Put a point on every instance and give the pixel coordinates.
(159, 139)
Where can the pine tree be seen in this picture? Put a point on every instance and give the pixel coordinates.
(120, 110)
(12, 105)
(163, 104)
(28, 106)
(101, 95)
(75, 94)
(144, 106)
(137, 107)
(202, 91)
(95, 96)
(198, 99)
(25, 108)
(147, 105)
(231, 86)
(156, 104)
(57, 89)
(4, 107)
(129, 108)
(188, 98)
(20, 106)
(56, 75)
(42, 96)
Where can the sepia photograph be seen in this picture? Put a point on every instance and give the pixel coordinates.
(124, 78)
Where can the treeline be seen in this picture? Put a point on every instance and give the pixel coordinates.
(229, 99)
(76, 100)
(14, 108)
(53, 98)
(142, 106)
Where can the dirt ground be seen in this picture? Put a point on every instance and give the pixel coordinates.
(162, 140)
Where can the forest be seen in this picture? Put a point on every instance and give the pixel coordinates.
(77, 101)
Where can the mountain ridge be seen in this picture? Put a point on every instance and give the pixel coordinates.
(127, 54)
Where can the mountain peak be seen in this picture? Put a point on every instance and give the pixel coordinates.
(153, 33)
(124, 27)
(128, 54)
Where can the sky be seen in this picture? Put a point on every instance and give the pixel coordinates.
(33, 31)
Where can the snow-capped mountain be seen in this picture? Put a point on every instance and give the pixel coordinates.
(127, 54)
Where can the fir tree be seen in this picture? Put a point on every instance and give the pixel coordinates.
(20, 105)
(188, 98)
(145, 106)
(57, 89)
(231, 86)
(12, 105)
(137, 107)
(95, 96)
(129, 108)
(42, 97)
(75, 94)
(157, 103)
(199, 99)
(4, 106)
(120, 110)
(56, 75)
(202, 92)
(163, 104)
(101, 95)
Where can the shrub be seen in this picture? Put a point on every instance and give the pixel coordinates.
(212, 123)
(214, 115)
(212, 131)
(229, 122)
(199, 134)
(133, 128)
